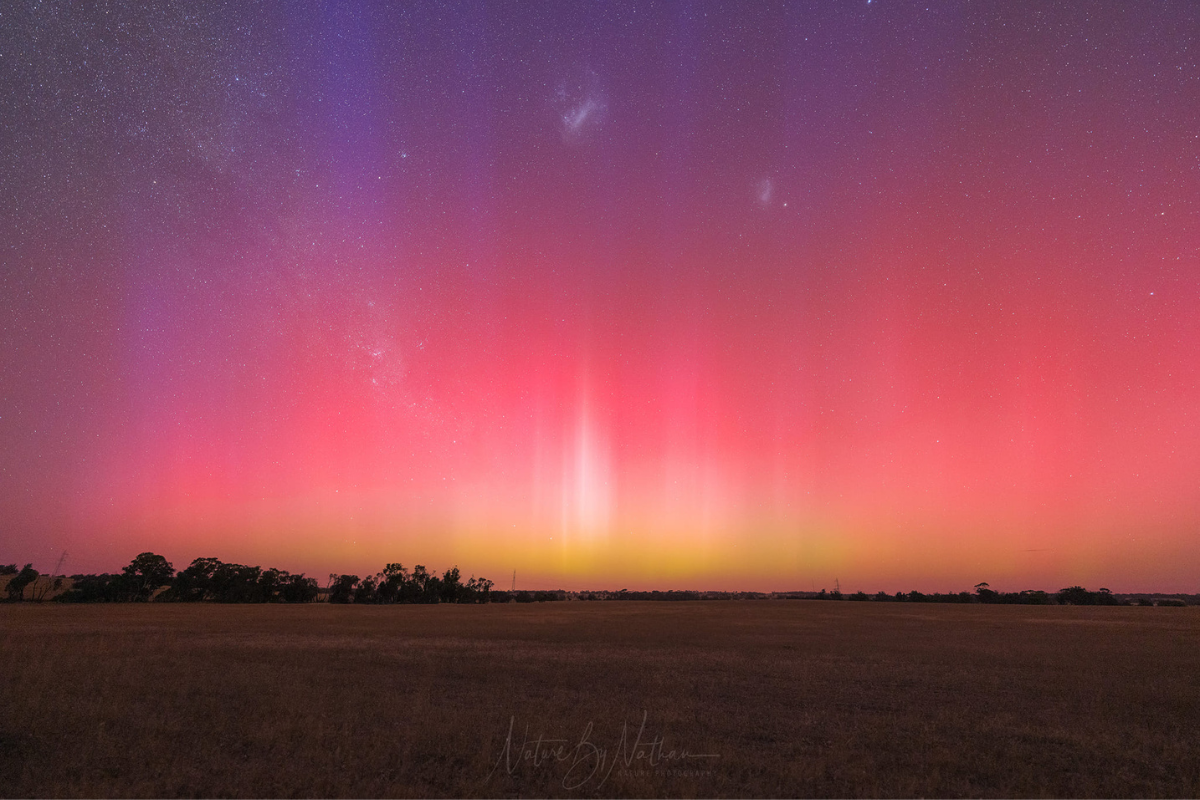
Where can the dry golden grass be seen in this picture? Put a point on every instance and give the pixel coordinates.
(796, 699)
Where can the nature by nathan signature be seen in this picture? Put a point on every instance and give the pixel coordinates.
(586, 760)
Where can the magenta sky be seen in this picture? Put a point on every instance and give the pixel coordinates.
(614, 295)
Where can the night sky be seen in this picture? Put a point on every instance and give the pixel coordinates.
(646, 295)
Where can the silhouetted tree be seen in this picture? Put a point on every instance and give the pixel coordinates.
(365, 593)
(195, 583)
(270, 581)
(985, 594)
(94, 589)
(298, 589)
(341, 590)
(425, 586)
(479, 590)
(451, 588)
(1075, 596)
(238, 583)
(145, 574)
(8, 569)
(210, 579)
(391, 585)
(16, 586)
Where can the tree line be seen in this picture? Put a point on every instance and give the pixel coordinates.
(395, 584)
(1070, 596)
(151, 577)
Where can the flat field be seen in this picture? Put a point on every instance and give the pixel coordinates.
(758, 698)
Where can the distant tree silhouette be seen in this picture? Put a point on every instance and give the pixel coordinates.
(425, 586)
(104, 588)
(297, 589)
(479, 590)
(213, 580)
(396, 585)
(985, 594)
(342, 589)
(210, 579)
(1075, 596)
(451, 588)
(16, 586)
(391, 586)
(146, 574)
(270, 583)
(365, 592)
(196, 583)
(240, 583)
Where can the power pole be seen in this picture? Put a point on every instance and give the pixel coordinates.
(514, 586)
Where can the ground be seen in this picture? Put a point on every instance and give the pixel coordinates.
(759, 698)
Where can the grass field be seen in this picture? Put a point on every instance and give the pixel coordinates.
(786, 698)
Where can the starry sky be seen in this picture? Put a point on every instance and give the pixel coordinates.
(628, 294)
